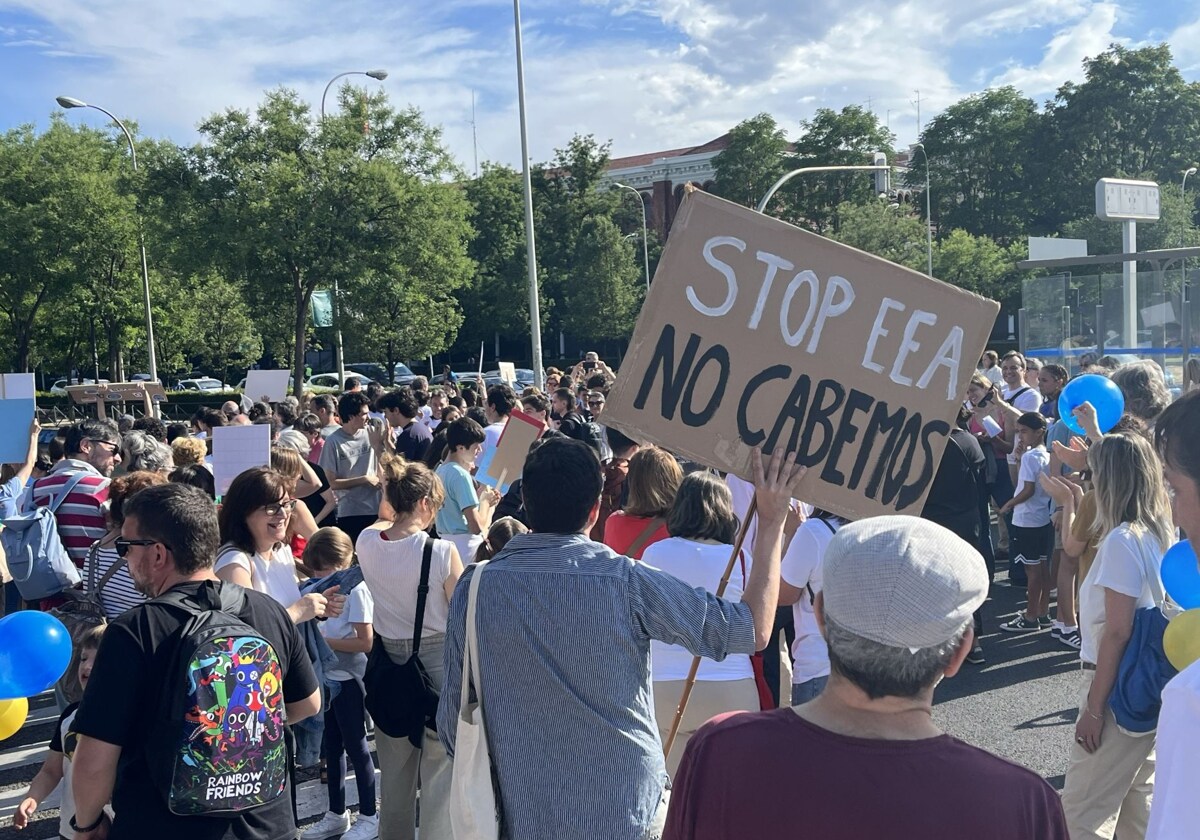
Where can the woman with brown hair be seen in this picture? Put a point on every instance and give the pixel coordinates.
(653, 480)
(254, 519)
(390, 554)
(702, 528)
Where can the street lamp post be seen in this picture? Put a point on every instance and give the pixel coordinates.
(152, 359)
(645, 237)
(339, 353)
(928, 216)
(535, 318)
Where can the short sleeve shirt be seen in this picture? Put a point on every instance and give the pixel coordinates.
(351, 456)
(358, 610)
(132, 668)
(274, 575)
(1125, 558)
(1035, 511)
(460, 495)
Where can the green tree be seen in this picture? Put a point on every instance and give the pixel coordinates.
(755, 158)
(980, 265)
(885, 231)
(606, 287)
(291, 206)
(835, 138)
(1133, 115)
(979, 152)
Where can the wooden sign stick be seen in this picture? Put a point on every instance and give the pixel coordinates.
(691, 677)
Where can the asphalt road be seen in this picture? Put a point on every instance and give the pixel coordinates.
(1020, 705)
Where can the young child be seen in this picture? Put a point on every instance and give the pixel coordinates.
(350, 636)
(57, 766)
(1032, 537)
(502, 530)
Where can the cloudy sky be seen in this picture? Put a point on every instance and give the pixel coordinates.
(647, 74)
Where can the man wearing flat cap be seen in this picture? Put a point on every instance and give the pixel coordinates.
(864, 758)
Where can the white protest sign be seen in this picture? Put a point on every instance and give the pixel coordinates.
(758, 333)
(272, 384)
(237, 449)
(508, 373)
(17, 409)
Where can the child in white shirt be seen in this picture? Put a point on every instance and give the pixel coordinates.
(1032, 535)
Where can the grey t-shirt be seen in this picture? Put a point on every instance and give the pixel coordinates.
(351, 456)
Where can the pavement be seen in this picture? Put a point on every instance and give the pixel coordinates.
(1020, 704)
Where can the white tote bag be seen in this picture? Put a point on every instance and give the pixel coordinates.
(473, 813)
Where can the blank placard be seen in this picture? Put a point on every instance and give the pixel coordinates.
(272, 384)
(501, 466)
(17, 408)
(237, 449)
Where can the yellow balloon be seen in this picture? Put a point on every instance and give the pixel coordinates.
(12, 716)
(1181, 641)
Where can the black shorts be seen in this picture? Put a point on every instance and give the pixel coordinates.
(1030, 545)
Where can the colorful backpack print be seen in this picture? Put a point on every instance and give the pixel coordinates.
(219, 745)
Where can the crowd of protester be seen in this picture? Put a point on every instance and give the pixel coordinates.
(359, 541)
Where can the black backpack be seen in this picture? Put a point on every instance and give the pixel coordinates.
(216, 747)
(578, 427)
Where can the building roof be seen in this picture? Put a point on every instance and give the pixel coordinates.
(632, 161)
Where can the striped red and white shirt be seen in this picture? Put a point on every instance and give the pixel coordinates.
(81, 515)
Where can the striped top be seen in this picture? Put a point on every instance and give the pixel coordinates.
(119, 593)
(564, 628)
(81, 515)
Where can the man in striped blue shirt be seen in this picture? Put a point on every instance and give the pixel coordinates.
(564, 627)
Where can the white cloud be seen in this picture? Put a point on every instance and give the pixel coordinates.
(27, 42)
(1185, 45)
(650, 74)
(1064, 55)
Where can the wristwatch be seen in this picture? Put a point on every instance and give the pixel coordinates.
(85, 828)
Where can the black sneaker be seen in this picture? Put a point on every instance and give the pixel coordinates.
(1045, 621)
(1020, 624)
(1071, 638)
(975, 657)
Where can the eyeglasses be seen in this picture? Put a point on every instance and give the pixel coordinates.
(116, 447)
(595, 403)
(122, 545)
(280, 508)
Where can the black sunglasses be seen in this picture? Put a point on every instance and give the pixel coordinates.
(122, 545)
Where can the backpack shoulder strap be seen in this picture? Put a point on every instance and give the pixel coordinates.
(644, 537)
(68, 486)
(94, 587)
(422, 592)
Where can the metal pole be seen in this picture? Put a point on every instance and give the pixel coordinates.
(535, 318)
(645, 234)
(1130, 291)
(152, 357)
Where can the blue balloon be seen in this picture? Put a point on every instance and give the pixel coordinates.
(1181, 575)
(35, 650)
(1098, 390)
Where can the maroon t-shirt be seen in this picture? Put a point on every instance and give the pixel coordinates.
(771, 775)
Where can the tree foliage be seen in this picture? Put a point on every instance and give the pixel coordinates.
(755, 158)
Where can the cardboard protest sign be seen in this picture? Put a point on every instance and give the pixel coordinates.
(756, 332)
(237, 449)
(501, 466)
(17, 408)
(272, 384)
(508, 373)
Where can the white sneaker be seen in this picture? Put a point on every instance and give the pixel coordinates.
(365, 828)
(331, 825)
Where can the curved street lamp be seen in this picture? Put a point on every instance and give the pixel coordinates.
(72, 102)
(645, 237)
(337, 320)
(374, 74)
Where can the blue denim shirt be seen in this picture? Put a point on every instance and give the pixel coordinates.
(564, 627)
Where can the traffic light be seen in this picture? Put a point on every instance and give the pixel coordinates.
(883, 177)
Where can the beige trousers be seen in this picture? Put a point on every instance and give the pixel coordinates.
(708, 699)
(1109, 790)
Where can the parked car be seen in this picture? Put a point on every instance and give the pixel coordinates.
(141, 377)
(402, 374)
(59, 388)
(369, 370)
(467, 375)
(524, 378)
(330, 380)
(204, 384)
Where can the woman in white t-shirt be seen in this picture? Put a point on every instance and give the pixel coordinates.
(799, 582)
(703, 527)
(1176, 811)
(1109, 781)
(254, 552)
(390, 554)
